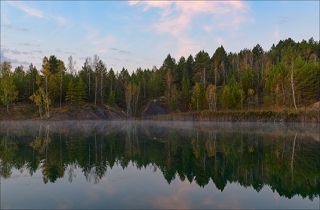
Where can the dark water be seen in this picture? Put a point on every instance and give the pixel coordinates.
(94, 165)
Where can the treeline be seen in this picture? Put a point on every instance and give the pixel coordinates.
(288, 75)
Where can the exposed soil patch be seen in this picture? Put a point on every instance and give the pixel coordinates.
(87, 112)
(315, 106)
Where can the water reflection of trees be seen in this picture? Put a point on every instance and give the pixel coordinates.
(290, 164)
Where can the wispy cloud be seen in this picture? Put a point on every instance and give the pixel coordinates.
(28, 44)
(31, 11)
(15, 62)
(19, 57)
(15, 52)
(120, 51)
(98, 43)
(17, 28)
(27, 9)
(67, 52)
(177, 18)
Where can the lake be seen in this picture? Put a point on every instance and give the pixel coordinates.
(124, 164)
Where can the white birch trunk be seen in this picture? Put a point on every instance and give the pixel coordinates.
(292, 86)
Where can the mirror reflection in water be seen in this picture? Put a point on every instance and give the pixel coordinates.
(97, 164)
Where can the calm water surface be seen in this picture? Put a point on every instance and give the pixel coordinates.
(97, 164)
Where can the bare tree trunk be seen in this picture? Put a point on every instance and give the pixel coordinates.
(204, 76)
(95, 91)
(136, 102)
(47, 99)
(101, 85)
(197, 103)
(46, 85)
(292, 86)
(47, 108)
(283, 93)
(7, 107)
(60, 88)
(128, 98)
(32, 86)
(214, 103)
(89, 85)
(40, 112)
(215, 83)
(144, 88)
(224, 74)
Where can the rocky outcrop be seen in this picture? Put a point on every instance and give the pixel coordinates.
(155, 107)
(87, 112)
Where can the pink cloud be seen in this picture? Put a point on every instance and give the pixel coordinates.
(28, 10)
(238, 4)
(177, 18)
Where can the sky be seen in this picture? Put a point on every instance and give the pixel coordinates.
(134, 34)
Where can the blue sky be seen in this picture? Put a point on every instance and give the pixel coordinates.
(135, 34)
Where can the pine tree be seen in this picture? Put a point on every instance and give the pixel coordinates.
(185, 94)
(111, 98)
(71, 92)
(80, 91)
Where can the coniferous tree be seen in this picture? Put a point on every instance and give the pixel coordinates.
(80, 93)
(71, 95)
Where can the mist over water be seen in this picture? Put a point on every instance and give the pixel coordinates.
(136, 164)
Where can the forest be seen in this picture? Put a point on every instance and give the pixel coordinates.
(285, 77)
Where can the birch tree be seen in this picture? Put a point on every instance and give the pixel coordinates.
(61, 70)
(8, 92)
(211, 96)
(132, 93)
(94, 68)
(46, 73)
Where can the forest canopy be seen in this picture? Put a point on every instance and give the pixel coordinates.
(286, 76)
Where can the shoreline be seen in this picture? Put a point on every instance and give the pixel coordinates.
(291, 116)
(105, 113)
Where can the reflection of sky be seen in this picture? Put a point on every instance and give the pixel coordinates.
(134, 188)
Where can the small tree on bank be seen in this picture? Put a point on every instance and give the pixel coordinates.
(232, 95)
(8, 92)
(198, 97)
(211, 96)
(39, 99)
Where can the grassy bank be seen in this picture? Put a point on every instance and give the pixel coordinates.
(91, 112)
(312, 116)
